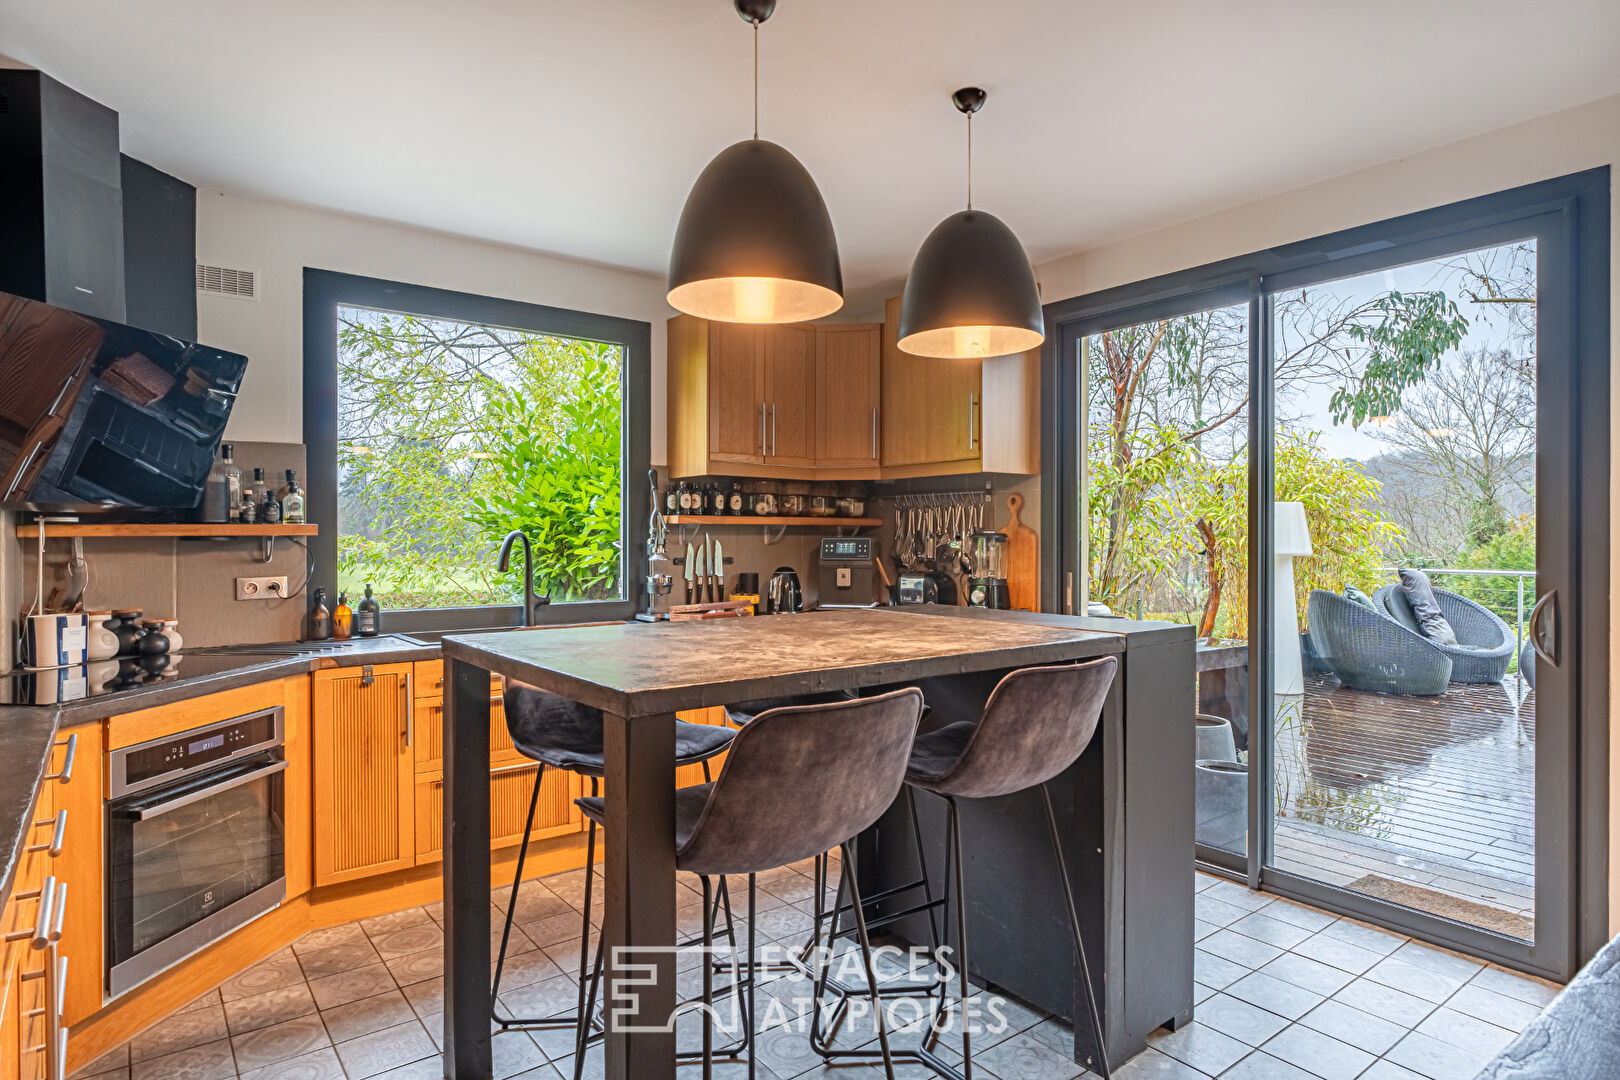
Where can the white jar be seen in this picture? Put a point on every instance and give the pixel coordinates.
(171, 630)
(102, 643)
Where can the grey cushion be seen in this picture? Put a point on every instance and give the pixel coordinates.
(564, 734)
(744, 711)
(936, 753)
(688, 809)
(1419, 595)
(1356, 596)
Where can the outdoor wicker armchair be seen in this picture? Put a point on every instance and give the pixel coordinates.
(1368, 650)
(1484, 643)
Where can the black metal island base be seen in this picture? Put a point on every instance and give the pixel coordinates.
(1125, 808)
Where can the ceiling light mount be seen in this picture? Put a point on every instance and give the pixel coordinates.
(755, 11)
(968, 100)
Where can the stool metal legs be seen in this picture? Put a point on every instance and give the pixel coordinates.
(1101, 1064)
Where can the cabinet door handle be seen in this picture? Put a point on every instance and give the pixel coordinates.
(405, 709)
(41, 933)
(764, 445)
(973, 442)
(66, 775)
(874, 433)
(58, 912)
(54, 848)
(773, 429)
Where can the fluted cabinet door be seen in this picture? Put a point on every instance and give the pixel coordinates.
(365, 813)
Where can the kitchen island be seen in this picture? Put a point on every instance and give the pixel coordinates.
(1126, 805)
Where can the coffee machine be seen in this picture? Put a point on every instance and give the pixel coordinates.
(987, 588)
(846, 571)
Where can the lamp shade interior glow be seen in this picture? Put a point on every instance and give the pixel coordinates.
(755, 243)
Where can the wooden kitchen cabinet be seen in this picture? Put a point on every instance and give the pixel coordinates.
(736, 394)
(848, 394)
(364, 772)
(957, 416)
(793, 402)
(787, 356)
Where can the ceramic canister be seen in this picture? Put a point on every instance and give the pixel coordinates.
(102, 642)
(55, 640)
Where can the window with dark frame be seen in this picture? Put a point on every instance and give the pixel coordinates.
(438, 422)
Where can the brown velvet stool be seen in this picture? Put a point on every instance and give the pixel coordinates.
(1035, 725)
(797, 782)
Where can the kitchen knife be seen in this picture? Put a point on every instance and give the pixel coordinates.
(701, 580)
(719, 573)
(689, 572)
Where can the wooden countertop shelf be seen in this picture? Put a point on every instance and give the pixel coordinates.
(201, 531)
(754, 519)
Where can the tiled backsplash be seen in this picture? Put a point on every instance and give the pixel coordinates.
(189, 580)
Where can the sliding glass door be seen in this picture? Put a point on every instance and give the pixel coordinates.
(1356, 466)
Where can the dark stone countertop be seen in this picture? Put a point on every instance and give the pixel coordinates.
(640, 669)
(27, 732)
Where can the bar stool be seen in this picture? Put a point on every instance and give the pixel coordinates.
(797, 781)
(1037, 722)
(563, 734)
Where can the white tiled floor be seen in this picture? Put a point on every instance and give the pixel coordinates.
(1284, 992)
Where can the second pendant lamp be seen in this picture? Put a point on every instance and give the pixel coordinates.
(755, 243)
(971, 292)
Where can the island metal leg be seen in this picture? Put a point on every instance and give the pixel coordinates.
(466, 873)
(639, 866)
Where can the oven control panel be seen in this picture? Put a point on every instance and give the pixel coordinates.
(192, 749)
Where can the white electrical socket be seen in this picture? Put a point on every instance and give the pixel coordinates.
(261, 588)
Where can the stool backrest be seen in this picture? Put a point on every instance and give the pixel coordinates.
(1037, 722)
(801, 780)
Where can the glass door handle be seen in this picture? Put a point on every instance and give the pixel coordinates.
(1544, 633)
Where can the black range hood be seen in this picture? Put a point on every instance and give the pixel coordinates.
(83, 226)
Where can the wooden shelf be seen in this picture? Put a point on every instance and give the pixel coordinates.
(754, 519)
(226, 531)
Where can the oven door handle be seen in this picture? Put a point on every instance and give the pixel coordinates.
(157, 810)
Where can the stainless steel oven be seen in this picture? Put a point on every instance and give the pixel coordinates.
(195, 842)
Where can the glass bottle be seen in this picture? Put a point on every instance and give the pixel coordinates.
(717, 499)
(672, 499)
(255, 490)
(270, 508)
(368, 616)
(320, 619)
(292, 503)
(248, 512)
(217, 504)
(342, 618)
(734, 506)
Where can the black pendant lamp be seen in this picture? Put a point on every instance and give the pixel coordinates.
(755, 243)
(971, 292)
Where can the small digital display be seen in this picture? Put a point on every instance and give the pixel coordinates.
(213, 742)
(846, 547)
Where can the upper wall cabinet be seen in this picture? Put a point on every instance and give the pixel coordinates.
(958, 416)
(842, 402)
(752, 400)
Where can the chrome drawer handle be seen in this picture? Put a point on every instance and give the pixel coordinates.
(41, 933)
(66, 775)
(54, 848)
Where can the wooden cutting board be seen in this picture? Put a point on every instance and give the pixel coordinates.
(1023, 560)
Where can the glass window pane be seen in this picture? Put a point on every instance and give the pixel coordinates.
(450, 435)
(1166, 498)
(1406, 441)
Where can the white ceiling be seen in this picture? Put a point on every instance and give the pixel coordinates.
(577, 126)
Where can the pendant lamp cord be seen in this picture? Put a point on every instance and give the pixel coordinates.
(970, 160)
(756, 82)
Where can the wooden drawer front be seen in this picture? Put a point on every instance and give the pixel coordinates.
(509, 791)
(429, 679)
(427, 717)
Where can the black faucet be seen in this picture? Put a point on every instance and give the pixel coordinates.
(531, 603)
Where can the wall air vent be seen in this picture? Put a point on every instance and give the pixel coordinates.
(226, 281)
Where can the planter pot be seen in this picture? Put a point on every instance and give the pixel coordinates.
(1214, 739)
(1221, 791)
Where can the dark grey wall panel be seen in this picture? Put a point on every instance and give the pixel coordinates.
(160, 250)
